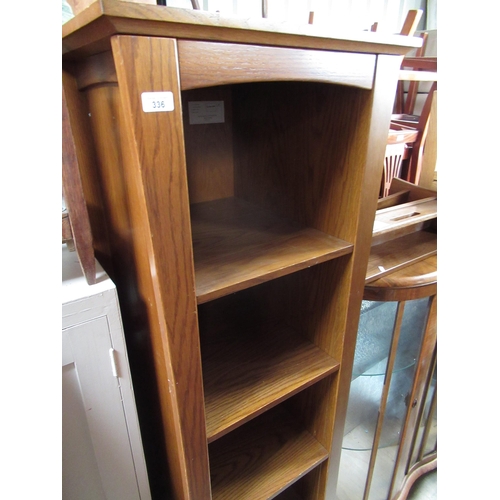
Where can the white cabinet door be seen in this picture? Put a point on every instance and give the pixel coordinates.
(97, 459)
(102, 456)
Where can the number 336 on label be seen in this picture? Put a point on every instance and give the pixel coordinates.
(156, 102)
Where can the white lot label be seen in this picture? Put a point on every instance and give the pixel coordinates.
(206, 112)
(157, 102)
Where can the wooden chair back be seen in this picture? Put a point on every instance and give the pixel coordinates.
(407, 106)
(415, 136)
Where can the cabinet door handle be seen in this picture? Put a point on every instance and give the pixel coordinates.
(114, 368)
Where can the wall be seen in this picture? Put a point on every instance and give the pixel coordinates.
(78, 5)
(339, 14)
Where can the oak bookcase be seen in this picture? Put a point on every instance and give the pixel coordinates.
(238, 236)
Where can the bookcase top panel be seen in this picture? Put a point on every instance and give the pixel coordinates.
(90, 31)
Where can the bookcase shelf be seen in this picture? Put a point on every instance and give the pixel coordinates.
(262, 458)
(265, 368)
(237, 245)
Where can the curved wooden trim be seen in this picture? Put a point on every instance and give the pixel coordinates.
(420, 470)
(399, 294)
(204, 64)
(98, 69)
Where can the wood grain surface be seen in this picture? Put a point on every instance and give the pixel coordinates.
(250, 372)
(89, 32)
(401, 252)
(399, 220)
(286, 217)
(209, 147)
(81, 231)
(206, 64)
(412, 282)
(237, 245)
(262, 458)
(161, 254)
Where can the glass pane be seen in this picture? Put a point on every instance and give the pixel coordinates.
(371, 358)
(431, 441)
(426, 440)
(394, 418)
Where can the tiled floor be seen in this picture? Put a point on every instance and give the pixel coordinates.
(425, 487)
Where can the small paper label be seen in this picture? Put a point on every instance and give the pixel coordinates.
(206, 112)
(157, 102)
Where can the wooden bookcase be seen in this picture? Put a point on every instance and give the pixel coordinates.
(239, 246)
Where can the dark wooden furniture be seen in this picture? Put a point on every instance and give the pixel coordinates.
(76, 230)
(407, 139)
(391, 426)
(236, 223)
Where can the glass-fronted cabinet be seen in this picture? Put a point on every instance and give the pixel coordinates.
(391, 426)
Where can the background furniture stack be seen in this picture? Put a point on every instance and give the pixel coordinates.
(418, 132)
(231, 171)
(413, 127)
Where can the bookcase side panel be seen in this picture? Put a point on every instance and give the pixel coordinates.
(376, 119)
(157, 161)
(140, 167)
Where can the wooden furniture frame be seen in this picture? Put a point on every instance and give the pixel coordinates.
(416, 455)
(239, 248)
(420, 167)
(76, 230)
(410, 135)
